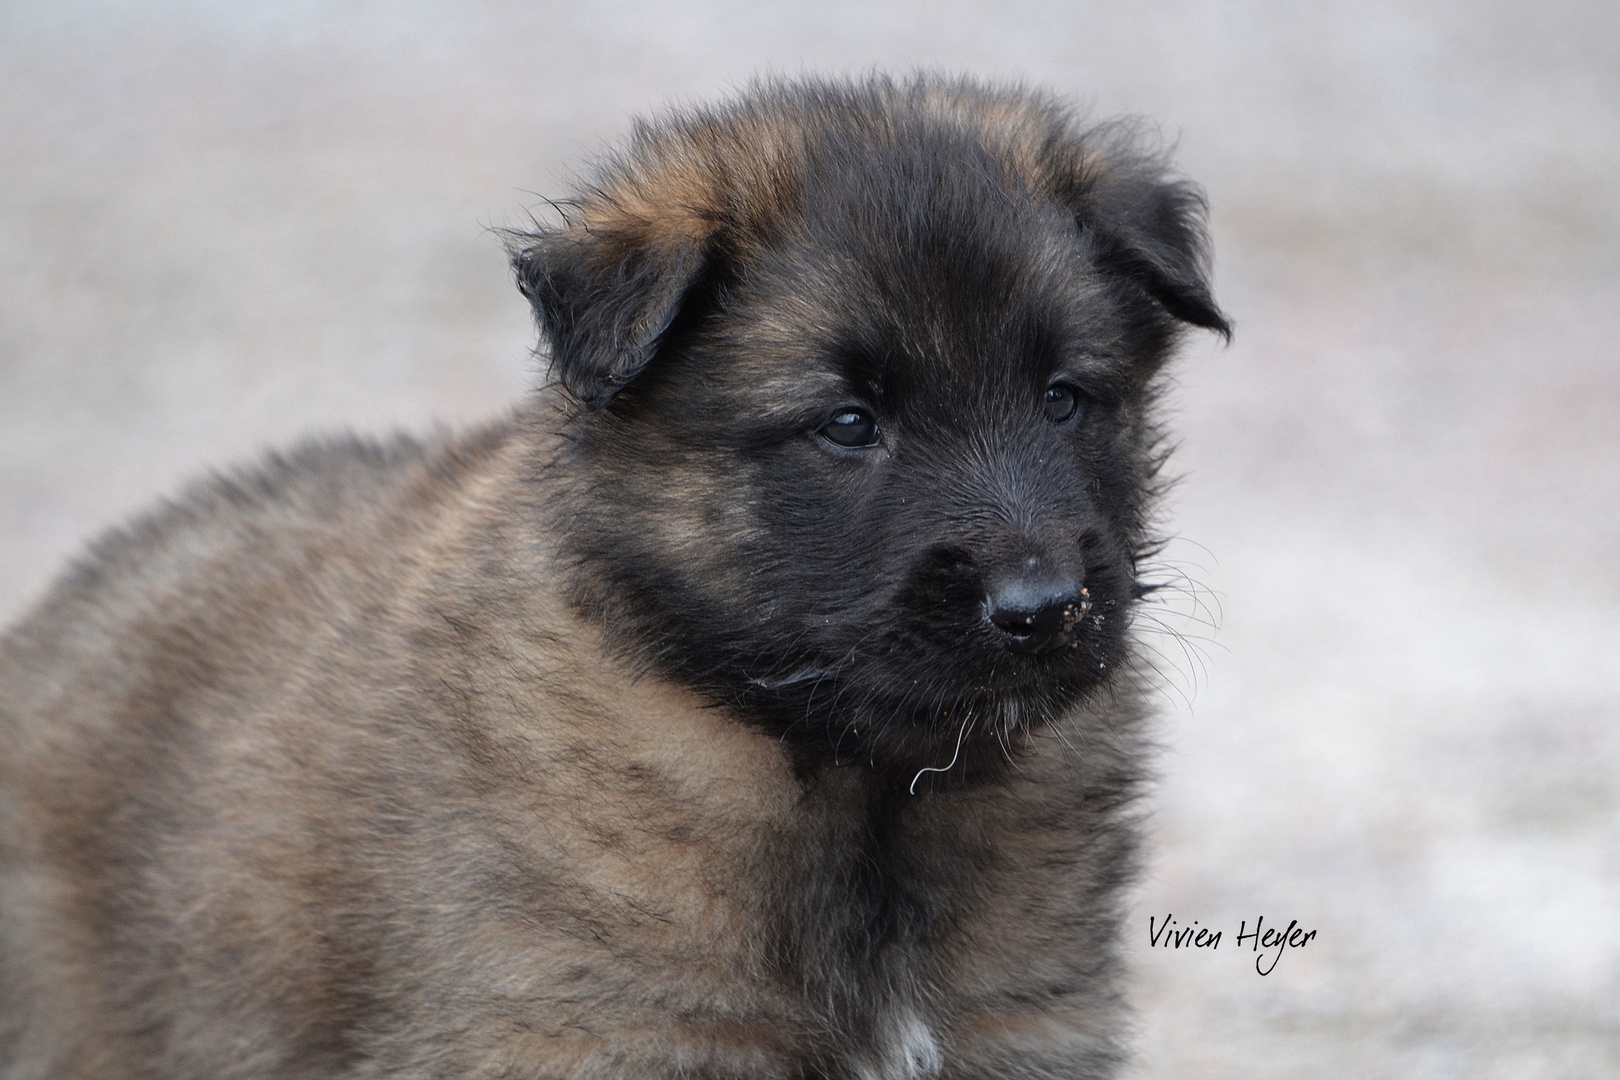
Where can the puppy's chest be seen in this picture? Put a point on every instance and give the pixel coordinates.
(831, 949)
(827, 928)
(868, 929)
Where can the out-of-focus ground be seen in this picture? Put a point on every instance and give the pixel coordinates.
(223, 225)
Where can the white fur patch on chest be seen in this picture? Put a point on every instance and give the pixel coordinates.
(906, 1050)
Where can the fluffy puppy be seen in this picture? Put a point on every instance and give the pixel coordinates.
(756, 701)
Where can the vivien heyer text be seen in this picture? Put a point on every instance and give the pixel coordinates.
(1269, 944)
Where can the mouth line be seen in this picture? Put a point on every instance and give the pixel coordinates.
(1013, 677)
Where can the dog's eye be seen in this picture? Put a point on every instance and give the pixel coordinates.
(852, 427)
(1061, 402)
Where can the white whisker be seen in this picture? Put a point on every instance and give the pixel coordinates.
(960, 735)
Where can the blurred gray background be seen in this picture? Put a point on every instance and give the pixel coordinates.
(223, 225)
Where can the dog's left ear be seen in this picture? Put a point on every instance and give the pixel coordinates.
(605, 291)
(1147, 226)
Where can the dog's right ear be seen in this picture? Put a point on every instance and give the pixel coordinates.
(1151, 229)
(605, 289)
(1140, 220)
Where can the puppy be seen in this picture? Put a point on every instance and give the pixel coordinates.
(757, 701)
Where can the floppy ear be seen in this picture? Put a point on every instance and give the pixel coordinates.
(1153, 231)
(604, 295)
(1143, 224)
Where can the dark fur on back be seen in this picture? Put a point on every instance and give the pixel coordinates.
(757, 701)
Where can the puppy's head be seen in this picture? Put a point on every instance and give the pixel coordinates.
(860, 441)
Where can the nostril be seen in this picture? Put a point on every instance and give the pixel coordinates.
(1037, 614)
(1014, 621)
(1023, 621)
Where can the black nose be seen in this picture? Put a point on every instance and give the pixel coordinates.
(1037, 614)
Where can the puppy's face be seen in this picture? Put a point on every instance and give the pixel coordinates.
(881, 481)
